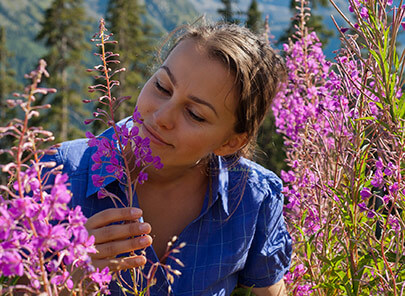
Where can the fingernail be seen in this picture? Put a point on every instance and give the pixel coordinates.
(144, 240)
(135, 212)
(140, 260)
(144, 227)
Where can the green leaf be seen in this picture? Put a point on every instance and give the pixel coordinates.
(401, 107)
(239, 291)
(364, 118)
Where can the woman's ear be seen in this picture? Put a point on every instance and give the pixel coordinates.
(232, 145)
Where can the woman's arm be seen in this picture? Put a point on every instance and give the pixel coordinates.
(278, 289)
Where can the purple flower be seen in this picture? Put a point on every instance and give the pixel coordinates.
(136, 116)
(101, 277)
(115, 167)
(96, 157)
(11, 263)
(97, 180)
(157, 163)
(379, 164)
(363, 207)
(370, 214)
(394, 223)
(142, 177)
(388, 171)
(125, 134)
(106, 147)
(365, 193)
(364, 12)
(378, 179)
(393, 188)
(62, 279)
(288, 176)
(93, 141)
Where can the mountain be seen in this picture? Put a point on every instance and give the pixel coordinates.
(22, 18)
(278, 11)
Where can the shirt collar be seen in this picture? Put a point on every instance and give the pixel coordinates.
(220, 182)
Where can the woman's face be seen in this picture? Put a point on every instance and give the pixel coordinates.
(188, 107)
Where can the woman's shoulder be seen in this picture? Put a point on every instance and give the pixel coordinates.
(73, 155)
(258, 175)
(255, 181)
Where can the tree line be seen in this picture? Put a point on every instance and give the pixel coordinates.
(64, 30)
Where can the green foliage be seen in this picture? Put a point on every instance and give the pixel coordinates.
(136, 39)
(270, 151)
(21, 30)
(239, 291)
(358, 245)
(63, 31)
(254, 18)
(8, 84)
(163, 15)
(227, 13)
(314, 23)
(269, 142)
(135, 47)
(166, 15)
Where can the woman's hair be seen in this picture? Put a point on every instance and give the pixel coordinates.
(258, 72)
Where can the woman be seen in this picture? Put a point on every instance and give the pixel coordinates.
(201, 110)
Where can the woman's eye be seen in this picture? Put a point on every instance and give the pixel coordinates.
(161, 88)
(195, 117)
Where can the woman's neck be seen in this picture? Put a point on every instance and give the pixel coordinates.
(168, 177)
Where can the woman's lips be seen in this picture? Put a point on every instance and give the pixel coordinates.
(153, 136)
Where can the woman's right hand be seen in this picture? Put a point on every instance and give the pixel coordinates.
(112, 240)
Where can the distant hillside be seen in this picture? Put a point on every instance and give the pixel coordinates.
(22, 18)
(279, 15)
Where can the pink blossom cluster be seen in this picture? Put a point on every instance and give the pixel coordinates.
(310, 109)
(110, 155)
(125, 157)
(44, 245)
(344, 142)
(111, 151)
(42, 239)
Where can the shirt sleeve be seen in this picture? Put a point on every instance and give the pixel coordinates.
(269, 256)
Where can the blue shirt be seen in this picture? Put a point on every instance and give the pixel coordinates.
(240, 237)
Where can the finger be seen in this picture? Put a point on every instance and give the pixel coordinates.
(120, 263)
(115, 248)
(119, 232)
(112, 215)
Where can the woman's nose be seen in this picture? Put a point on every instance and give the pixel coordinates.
(165, 116)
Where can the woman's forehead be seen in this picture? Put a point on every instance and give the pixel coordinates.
(190, 66)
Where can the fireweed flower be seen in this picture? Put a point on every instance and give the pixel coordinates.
(40, 237)
(109, 154)
(294, 276)
(365, 193)
(113, 155)
(344, 143)
(27, 239)
(364, 12)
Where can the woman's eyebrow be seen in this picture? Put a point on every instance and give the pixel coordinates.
(191, 97)
(170, 74)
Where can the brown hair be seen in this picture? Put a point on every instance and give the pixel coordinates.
(257, 68)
